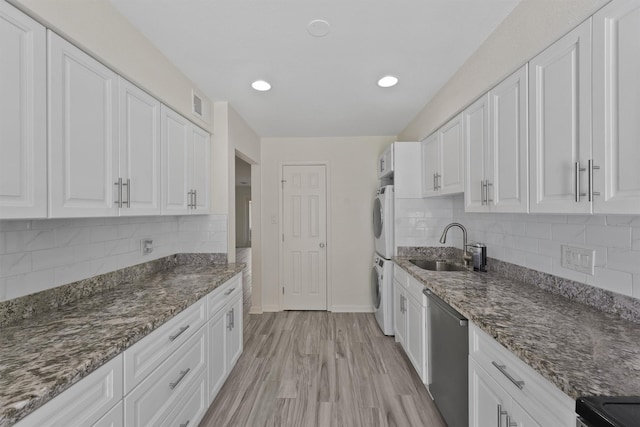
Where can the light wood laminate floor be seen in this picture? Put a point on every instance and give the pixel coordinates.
(321, 369)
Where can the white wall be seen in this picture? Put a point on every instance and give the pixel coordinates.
(98, 28)
(42, 254)
(532, 26)
(352, 181)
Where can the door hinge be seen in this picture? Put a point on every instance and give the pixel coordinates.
(283, 181)
(283, 237)
(283, 290)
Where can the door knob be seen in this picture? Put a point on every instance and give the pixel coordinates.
(322, 245)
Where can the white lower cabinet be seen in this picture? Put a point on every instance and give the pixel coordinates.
(504, 391)
(410, 320)
(84, 403)
(169, 378)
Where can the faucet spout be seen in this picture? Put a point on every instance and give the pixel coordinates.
(466, 257)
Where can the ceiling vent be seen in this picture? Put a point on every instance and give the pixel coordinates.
(199, 107)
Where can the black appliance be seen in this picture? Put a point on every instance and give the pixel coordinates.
(603, 411)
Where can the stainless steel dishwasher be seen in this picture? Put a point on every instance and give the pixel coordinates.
(448, 361)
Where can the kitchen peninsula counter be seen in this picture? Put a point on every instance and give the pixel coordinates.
(44, 355)
(578, 348)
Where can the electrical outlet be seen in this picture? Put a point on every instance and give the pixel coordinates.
(578, 259)
(146, 246)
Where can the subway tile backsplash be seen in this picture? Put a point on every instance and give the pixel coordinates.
(41, 254)
(532, 240)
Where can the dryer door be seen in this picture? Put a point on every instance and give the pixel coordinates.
(375, 288)
(377, 218)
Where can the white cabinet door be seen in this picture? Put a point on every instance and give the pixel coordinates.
(23, 143)
(217, 353)
(488, 402)
(508, 162)
(175, 163)
(518, 417)
(139, 165)
(476, 140)
(399, 319)
(113, 418)
(200, 167)
(234, 334)
(560, 123)
(416, 335)
(616, 107)
(407, 174)
(430, 165)
(83, 133)
(451, 179)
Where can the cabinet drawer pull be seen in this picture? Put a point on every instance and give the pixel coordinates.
(229, 326)
(227, 293)
(180, 378)
(500, 414)
(503, 369)
(177, 334)
(185, 424)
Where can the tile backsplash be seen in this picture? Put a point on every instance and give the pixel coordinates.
(532, 240)
(40, 254)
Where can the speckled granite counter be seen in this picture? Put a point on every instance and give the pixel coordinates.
(46, 354)
(583, 351)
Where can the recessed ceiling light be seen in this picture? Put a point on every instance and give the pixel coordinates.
(388, 81)
(318, 28)
(261, 85)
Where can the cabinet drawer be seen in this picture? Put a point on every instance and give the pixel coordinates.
(400, 275)
(189, 410)
(85, 402)
(539, 397)
(150, 402)
(217, 299)
(113, 418)
(147, 354)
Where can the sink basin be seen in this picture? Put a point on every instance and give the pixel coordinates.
(437, 265)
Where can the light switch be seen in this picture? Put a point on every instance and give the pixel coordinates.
(578, 259)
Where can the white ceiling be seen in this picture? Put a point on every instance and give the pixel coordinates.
(320, 86)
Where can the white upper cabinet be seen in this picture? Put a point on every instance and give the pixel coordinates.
(560, 124)
(23, 150)
(451, 179)
(186, 165)
(443, 160)
(496, 144)
(430, 165)
(139, 166)
(83, 133)
(616, 109)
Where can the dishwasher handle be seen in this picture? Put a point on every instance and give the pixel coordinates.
(446, 308)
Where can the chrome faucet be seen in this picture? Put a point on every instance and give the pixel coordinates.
(466, 256)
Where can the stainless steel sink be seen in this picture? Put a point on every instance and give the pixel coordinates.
(437, 265)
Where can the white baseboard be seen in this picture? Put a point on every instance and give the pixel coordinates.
(271, 308)
(255, 310)
(351, 309)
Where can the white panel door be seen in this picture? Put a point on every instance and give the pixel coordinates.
(508, 185)
(83, 133)
(560, 123)
(139, 151)
(200, 167)
(23, 103)
(175, 136)
(451, 178)
(476, 141)
(616, 107)
(430, 165)
(304, 237)
(488, 401)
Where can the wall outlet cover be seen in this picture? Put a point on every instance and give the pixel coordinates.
(578, 259)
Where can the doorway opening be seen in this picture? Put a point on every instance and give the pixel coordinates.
(244, 226)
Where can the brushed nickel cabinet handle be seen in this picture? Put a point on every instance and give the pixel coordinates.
(180, 378)
(591, 168)
(119, 184)
(177, 334)
(489, 184)
(185, 424)
(482, 201)
(195, 199)
(128, 185)
(500, 414)
(511, 423)
(503, 370)
(227, 293)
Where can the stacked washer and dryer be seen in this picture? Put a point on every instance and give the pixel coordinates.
(400, 177)
(382, 272)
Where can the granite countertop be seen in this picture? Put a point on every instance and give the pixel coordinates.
(582, 350)
(44, 355)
